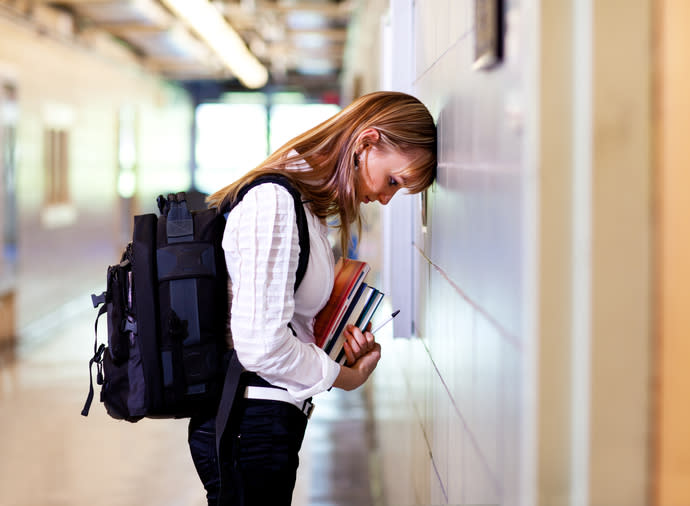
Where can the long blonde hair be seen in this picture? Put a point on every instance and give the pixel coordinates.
(326, 153)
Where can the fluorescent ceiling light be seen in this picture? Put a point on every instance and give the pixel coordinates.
(211, 26)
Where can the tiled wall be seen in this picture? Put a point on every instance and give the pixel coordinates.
(528, 380)
(450, 401)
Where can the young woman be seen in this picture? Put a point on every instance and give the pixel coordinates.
(380, 143)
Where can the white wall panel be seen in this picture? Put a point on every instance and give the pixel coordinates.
(58, 76)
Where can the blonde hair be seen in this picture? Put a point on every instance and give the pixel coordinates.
(326, 153)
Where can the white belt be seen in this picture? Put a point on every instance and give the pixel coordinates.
(278, 394)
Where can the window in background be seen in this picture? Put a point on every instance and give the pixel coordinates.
(231, 140)
(58, 209)
(291, 119)
(237, 134)
(127, 154)
(56, 164)
(127, 165)
(9, 117)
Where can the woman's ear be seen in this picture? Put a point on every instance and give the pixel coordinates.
(368, 137)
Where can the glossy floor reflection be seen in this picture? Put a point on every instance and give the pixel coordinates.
(50, 455)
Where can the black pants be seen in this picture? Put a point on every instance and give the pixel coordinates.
(260, 453)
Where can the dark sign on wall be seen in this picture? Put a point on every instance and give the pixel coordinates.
(488, 33)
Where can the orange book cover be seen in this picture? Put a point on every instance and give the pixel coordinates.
(349, 275)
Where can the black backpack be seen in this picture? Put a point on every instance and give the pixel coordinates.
(167, 311)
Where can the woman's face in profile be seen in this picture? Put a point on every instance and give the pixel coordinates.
(377, 177)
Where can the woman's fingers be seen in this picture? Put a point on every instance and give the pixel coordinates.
(361, 342)
(370, 340)
(367, 341)
(349, 355)
(356, 343)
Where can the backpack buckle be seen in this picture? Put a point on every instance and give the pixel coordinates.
(97, 300)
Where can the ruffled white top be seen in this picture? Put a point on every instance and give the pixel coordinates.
(262, 251)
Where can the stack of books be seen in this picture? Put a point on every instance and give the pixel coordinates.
(352, 301)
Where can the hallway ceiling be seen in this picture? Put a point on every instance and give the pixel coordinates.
(297, 41)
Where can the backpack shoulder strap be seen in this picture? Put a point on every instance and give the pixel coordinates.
(301, 215)
(234, 367)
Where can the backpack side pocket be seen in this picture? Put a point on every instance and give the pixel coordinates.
(115, 388)
(118, 294)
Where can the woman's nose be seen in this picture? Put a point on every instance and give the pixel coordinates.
(384, 198)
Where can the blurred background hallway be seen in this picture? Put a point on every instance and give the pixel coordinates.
(540, 354)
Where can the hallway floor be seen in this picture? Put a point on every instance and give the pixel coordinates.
(53, 456)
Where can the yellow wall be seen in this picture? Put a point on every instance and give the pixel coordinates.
(672, 435)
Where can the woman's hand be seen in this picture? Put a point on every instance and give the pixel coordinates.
(357, 343)
(363, 361)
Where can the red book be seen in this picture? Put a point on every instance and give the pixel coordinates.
(349, 275)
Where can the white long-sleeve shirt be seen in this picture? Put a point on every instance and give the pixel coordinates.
(261, 251)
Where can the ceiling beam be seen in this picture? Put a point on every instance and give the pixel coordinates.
(342, 9)
(338, 35)
(178, 64)
(120, 29)
(71, 2)
(143, 24)
(289, 50)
